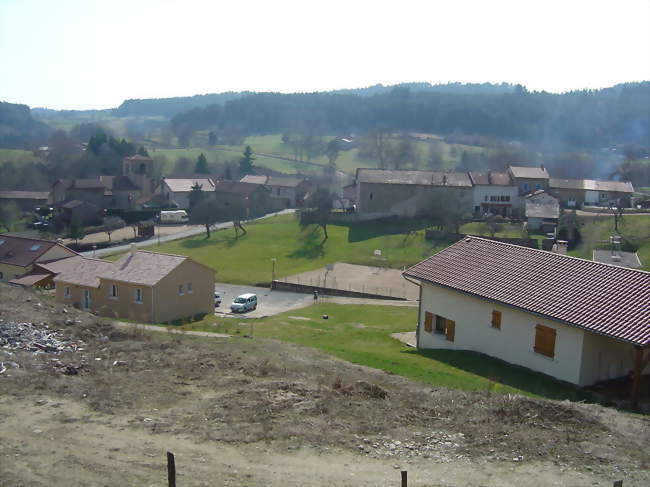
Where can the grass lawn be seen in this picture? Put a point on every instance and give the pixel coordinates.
(635, 230)
(361, 335)
(247, 260)
(18, 156)
(509, 230)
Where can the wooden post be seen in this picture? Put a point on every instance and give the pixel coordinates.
(404, 478)
(171, 469)
(636, 378)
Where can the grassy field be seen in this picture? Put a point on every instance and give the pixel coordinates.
(18, 156)
(635, 229)
(362, 336)
(247, 260)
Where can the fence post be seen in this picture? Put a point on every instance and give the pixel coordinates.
(404, 478)
(171, 469)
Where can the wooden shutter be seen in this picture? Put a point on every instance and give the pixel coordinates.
(496, 319)
(450, 330)
(545, 341)
(428, 321)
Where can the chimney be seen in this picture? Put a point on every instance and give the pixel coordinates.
(489, 176)
(542, 167)
(132, 249)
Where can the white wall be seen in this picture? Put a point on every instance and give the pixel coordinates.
(513, 342)
(481, 191)
(604, 358)
(591, 197)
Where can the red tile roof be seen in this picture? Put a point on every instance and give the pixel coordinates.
(23, 251)
(601, 298)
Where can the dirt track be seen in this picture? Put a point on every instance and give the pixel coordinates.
(243, 411)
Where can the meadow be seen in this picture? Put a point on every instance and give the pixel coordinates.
(361, 335)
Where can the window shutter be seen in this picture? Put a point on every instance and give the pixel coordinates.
(428, 322)
(450, 330)
(545, 341)
(496, 319)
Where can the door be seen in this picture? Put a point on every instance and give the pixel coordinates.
(451, 330)
(86, 303)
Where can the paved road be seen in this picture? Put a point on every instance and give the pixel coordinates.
(268, 302)
(174, 236)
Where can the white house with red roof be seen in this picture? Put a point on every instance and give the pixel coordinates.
(573, 319)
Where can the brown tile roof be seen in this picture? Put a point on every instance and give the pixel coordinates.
(494, 178)
(24, 195)
(604, 299)
(536, 172)
(23, 251)
(236, 187)
(184, 185)
(79, 270)
(254, 179)
(143, 267)
(592, 185)
(421, 178)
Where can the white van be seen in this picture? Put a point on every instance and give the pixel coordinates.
(243, 303)
(174, 216)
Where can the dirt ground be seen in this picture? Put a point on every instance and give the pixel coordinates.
(360, 278)
(240, 411)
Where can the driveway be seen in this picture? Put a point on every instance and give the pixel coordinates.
(268, 302)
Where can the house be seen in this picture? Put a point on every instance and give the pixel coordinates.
(573, 319)
(25, 200)
(18, 255)
(384, 193)
(495, 193)
(85, 212)
(139, 170)
(292, 190)
(254, 199)
(175, 191)
(142, 286)
(576, 193)
(529, 179)
(117, 192)
(542, 211)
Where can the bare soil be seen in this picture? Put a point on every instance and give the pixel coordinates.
(240, 411)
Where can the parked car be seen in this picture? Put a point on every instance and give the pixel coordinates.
(217, 299)
(243, 303)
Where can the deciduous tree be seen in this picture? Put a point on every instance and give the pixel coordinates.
(317, 210)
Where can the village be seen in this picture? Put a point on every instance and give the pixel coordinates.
(343, 244)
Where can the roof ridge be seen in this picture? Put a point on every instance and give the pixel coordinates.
(162, 253)
(53, 242)
(556, 254)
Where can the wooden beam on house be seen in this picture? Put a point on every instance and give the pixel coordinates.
(636, 377)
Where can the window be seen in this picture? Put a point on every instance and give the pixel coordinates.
(181, 290)
(538, 186)
(507, 198)
(189, 288)
(445, 327)
(113, 294)
(370, 196)
(545, 341)
(138, 295)
(428, 322)
(496, 319)
(525, 187)
(66, 292)
(486, 197)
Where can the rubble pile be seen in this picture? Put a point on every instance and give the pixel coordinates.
(35, 337)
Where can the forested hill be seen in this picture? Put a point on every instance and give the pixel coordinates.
(168, 107)
(589, 119)
(18, 129)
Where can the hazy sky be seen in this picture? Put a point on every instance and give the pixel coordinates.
(80, 54)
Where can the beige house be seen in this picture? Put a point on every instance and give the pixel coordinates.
(142, 286)
(18, 255)
(175, 191)
(573, 319)
(291, 190)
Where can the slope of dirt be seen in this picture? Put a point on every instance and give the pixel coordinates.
(254, 412)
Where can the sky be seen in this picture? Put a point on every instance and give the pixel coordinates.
(83, 54)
